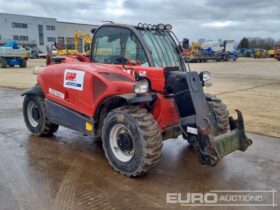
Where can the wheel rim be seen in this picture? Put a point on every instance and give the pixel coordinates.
(33, 114)
(121, 143)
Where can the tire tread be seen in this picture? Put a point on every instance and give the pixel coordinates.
(152, 138)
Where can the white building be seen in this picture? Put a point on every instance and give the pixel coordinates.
(38, 32)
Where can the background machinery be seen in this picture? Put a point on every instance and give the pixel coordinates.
(195, 55)
(11, 54)
(132, 94)
(271, 53)
(277, 51)
(34, 53)
(260, 53)
(210, 50)
(246, 52)
(85, 44)
(65, 49)
(219, 50)
(81, 45)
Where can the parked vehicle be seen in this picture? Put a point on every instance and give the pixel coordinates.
(211, 50)
(277, 51)
(11, 54)
(271, 53)
(195, 55)
(260, 53)
(219, 50)
(42, 54)
(34, 53)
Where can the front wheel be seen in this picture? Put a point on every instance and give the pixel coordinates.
(221, 116)
(220, 112)
(132, 140)
(22, 63)
(35, 116)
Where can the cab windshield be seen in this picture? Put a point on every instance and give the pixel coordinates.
(120, 45)
(162, 48)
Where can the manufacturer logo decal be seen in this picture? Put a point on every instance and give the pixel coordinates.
(74, 79)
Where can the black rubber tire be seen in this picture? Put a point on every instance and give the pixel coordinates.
(22, 63)
(226, 58)
(221, 115)
(220, 112)
(146, 138)
(4, 63)
(44, 127)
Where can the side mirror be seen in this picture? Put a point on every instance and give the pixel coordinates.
(93, 30)
(186, 44)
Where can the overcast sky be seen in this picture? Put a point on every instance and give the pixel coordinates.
(194, 19)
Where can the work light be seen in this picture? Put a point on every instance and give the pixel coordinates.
(205, 78)
(141, 86)
(161, 26)
(168, 27)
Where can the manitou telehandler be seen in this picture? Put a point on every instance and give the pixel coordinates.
(134, 92)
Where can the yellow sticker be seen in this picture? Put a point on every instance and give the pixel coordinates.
(89, 126)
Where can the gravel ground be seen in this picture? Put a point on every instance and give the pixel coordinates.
(252, 86)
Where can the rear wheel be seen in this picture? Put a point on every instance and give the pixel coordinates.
(132, 141)
(35, 116)
(4, 63)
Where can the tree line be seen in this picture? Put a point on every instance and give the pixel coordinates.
(267, 43)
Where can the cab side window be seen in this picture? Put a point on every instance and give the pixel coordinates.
(114, 45)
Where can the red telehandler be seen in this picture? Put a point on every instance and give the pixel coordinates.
(134, 92)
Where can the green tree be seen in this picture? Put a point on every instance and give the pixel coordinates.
(244, 43)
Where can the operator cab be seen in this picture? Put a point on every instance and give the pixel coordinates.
(142, 45)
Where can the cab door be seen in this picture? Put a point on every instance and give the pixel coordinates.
(117, 45)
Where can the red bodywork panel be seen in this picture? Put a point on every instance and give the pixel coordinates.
(82, 86)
